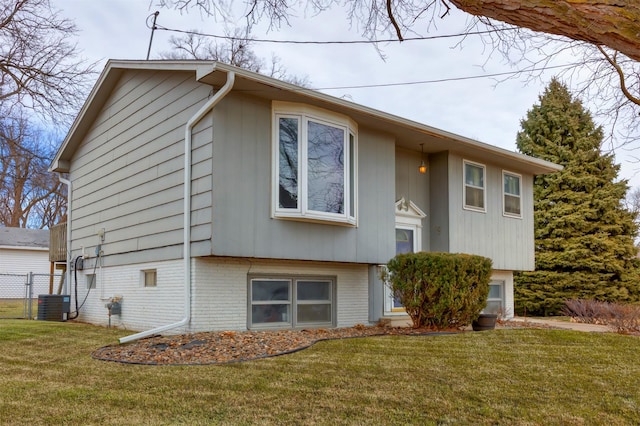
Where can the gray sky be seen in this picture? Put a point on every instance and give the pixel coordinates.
(484, 109)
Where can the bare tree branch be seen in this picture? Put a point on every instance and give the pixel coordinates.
(623, 86)
(39, 69)
(393, 21)
(235, 50)
(30, 196)
(613, 23)
(561, 29)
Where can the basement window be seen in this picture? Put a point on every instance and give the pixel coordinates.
(495, 299)
(90, 281)
(149, 278)
(290, 302)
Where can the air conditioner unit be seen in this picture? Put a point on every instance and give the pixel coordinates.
(54, 307)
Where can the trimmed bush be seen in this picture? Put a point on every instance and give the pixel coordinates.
(440, 290)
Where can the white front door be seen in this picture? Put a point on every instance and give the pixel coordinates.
(408, 240)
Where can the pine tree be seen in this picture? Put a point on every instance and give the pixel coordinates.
(584, 236)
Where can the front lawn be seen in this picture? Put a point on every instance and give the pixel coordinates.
(509, 377)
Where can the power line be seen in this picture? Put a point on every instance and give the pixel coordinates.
(365, 86)
(444, 80)
(263, 40)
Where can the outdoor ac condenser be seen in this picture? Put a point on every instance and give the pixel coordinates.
(54, 307)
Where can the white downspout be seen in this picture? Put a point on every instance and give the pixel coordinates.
(67, 279)
(206, 108)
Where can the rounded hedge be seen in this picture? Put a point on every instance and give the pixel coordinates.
(440, 290)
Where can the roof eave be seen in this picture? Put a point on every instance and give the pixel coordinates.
(534, 165)
(205, 72)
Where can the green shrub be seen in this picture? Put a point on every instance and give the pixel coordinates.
(440, 290)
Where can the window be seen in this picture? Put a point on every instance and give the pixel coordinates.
(291, 302)
(512, 201)
(90, 281)
(404, 241)
(149, 278)
(495, 300)
(474, 194)
(314, 158)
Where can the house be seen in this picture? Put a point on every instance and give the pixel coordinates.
(293, 201)
(23, 251)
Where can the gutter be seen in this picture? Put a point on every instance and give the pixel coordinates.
(67, 279)
(204, 110)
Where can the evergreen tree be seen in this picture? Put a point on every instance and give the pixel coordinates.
(584, 236)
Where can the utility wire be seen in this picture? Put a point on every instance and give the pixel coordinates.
(366, 86)
(443, 80)
(263, 40)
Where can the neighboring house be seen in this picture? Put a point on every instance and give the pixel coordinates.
(295, 199)
(23, 251)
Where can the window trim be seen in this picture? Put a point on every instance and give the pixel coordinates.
(464, 187)
(293, 301)
(306, 113)
(143, 278)
(504, 195)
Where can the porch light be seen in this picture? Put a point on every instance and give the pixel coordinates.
(423, 167)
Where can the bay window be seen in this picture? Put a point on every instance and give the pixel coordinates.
(315, 164)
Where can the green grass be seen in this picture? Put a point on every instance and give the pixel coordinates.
(503, 377)
(15, 308)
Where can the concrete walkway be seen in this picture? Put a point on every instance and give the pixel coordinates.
(565, 324)
(406, 322)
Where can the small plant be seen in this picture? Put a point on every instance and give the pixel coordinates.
(586, 311)
(503, 315)
(440, 290)
(625, 318)
(622, 318)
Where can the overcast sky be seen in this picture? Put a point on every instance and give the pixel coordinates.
(484, 109)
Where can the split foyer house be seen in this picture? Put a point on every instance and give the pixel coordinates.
(207, 197)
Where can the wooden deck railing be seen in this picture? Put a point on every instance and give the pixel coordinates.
(58, 242)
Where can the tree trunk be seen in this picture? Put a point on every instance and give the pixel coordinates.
(613, 23)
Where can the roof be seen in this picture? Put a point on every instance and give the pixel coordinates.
(24, 238)
(408, 134)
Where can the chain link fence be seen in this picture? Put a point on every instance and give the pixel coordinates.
(19, 293)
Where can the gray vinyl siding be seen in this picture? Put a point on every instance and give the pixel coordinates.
(508, 241)
(413, 186)
(242, 222)
(127, 174)
(439, 202)
(127, 177)
(201, 187)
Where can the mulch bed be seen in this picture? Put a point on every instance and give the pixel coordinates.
(234, 346)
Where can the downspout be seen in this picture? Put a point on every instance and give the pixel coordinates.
(67, 278)
(204, 110)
